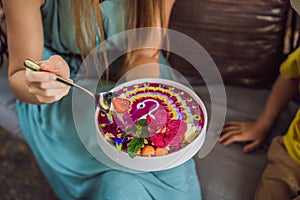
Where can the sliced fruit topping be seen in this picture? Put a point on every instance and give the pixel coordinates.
(121, 105)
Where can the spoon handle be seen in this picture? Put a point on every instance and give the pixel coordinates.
(35, 67)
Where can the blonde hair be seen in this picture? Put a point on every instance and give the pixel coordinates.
(142, 13)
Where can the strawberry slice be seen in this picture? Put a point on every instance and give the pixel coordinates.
(121, 105)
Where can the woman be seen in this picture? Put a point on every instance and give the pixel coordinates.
(55, 32)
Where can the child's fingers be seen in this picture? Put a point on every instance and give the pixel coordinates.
(230, 128)
(234, 138)
(228, 135)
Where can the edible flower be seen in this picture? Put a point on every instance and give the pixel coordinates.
(119, 142)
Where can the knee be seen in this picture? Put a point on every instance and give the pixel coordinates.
(118, 185)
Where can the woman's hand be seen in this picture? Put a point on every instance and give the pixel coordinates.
(253, 132)
(43, 85)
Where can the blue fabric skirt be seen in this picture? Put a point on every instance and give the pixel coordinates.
(74, 173)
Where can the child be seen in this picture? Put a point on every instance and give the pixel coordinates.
(281, 178)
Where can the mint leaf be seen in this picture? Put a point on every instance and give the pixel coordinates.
(134, 146)
(142, 123)
(138, 131)
(129, 131)
(140, 127)
(145, 133)
(132, 155)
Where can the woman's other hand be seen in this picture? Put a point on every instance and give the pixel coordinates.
(43, 85)
(253, 132)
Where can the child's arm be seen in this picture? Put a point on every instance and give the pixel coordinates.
(282, 92)
(256, 132)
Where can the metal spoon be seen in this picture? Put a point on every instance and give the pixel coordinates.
(103, 99)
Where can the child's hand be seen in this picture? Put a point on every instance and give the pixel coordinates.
(253, 132)
(44, 85)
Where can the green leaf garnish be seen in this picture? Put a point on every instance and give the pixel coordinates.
(140, 127)
(129, 131)
(145, 133)
(134, 146)
(138, 131)
(142, 123)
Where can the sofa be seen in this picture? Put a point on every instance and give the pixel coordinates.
(247, 41)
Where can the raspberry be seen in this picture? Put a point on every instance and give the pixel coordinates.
(173, 135)
(160, 120)
(161, 116)
(158, 140)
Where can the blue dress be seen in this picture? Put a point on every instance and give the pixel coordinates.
(70, 167)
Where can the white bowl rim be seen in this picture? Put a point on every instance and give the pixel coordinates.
(153, 158)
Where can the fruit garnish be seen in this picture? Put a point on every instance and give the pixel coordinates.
(121, 105)
(151, 120)
(161, 151)
(171, 135)
(191, 133)
(148, 151)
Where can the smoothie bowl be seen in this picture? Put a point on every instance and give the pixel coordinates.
(155, 124)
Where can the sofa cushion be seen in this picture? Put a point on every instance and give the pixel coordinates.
(244, 38)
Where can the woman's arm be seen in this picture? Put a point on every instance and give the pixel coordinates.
(26, 40)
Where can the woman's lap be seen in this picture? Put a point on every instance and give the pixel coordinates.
(177, 183)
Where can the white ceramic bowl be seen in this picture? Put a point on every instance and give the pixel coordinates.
(156, 163)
